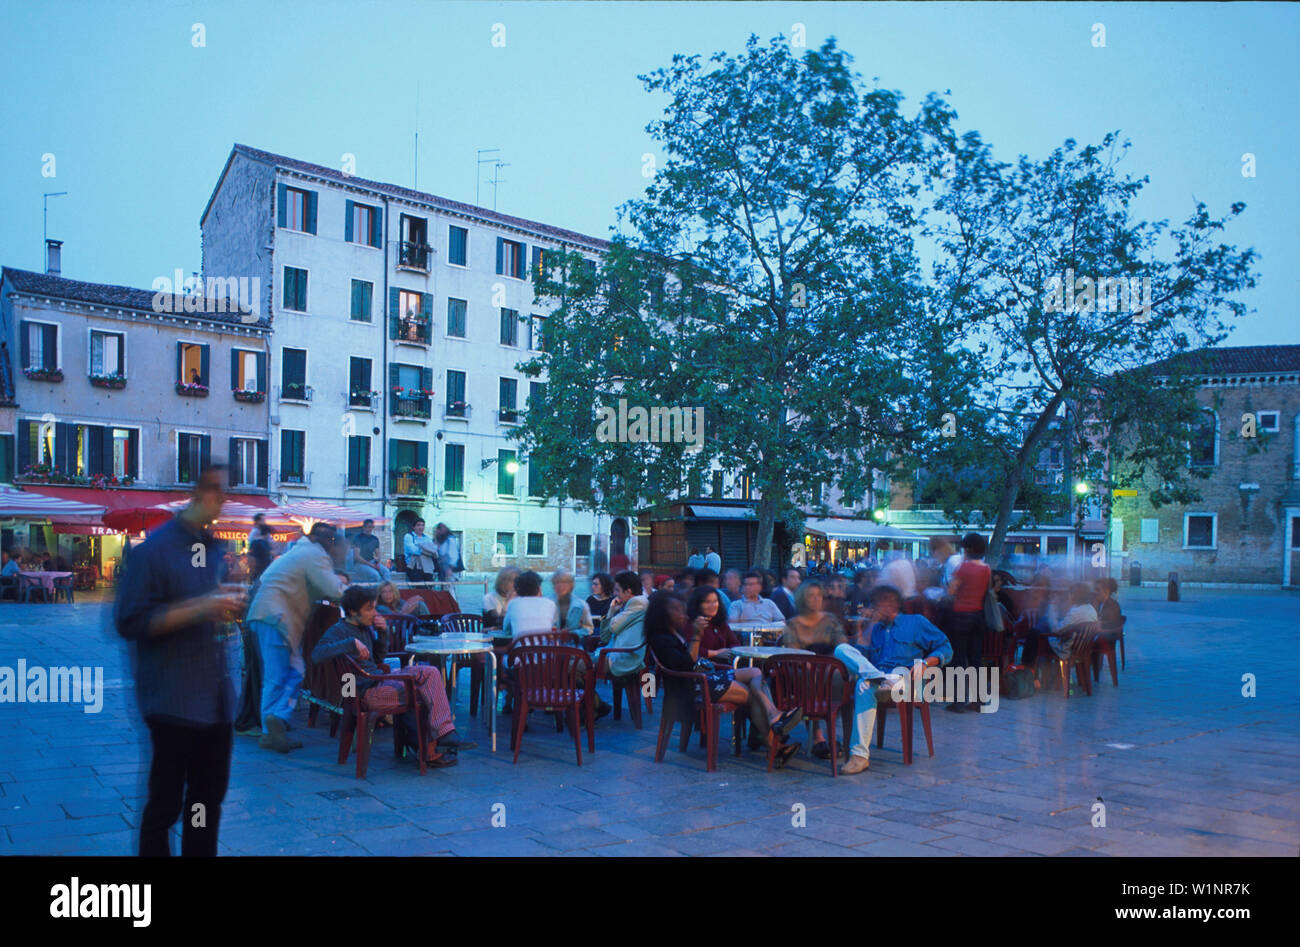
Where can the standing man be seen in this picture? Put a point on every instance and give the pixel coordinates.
(169, 604)
(278, 616)
(420, 553)
(783, 594)
(448, 549)
(696, 560)
(367, 546)
(259, 547)
(712, 560)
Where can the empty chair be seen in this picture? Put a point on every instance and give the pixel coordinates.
(557, 679)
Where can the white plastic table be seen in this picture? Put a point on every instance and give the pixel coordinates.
(443, 647)
(761, 654)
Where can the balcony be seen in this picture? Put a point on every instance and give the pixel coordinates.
(456, 411)
(407, 403)
(415, 330)
(362, 399)
(413, 256)
(412, 483)
(294, 391)
(508, 416)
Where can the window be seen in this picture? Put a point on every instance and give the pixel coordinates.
(506, 543)
(295, 289)
(107, 353)
(458, 246)
(541, 260)
(247, 370)
(510, 258)
(1150, 531)
(408, 467)
(414, 251)
(717, 485)
(292, 456)
(507, 467)
(1268, 421)
(1200, 530)
(293, 374)
(296, 209)
(535, 545)
(192, 452)
(1205, 441)
(510, 327)
(507, 406)
(1295, 532)
(40, 346)
(582, 546)
(456, 317)
(456, 406)
(362, 224)
(410, 317)
(744, 487)
(192, 363)
(359, 390)
(536, 338)
(359, 461)
(123, 452)
(247, 462)
(453, 470)
(363, 295)
(410, 391)
(536, 393)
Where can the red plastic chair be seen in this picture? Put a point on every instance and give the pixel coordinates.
(361, 721)
(904, 708)
(686, 701)
(1083, 639)
(401, 628)
(808, 682)
(557, 679)
(1104, 647)
(629, 684)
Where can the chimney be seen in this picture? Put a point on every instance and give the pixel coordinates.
(53, 252)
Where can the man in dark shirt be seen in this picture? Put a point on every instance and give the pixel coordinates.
(259, 547)
(169, 604)
(367, 546)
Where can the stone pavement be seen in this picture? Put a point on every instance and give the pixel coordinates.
(1182, 762)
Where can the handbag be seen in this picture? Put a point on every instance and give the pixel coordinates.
(1017, 682)
(992, 612)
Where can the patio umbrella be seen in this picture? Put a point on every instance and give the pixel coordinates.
(235, 513)
(135, 519)
(307, 512)
(23, 504)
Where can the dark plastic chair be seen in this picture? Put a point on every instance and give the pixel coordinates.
(1104, 648)
(1083, 639)
(30, 587)
(361, 721)
(686, 701)
(63, 588)
(401, 628)
(626, 684)
(557, 679)
(462, 623)
(904, 708)
(808, 682)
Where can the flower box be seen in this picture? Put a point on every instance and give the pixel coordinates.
(44, 374)
(252, 397)
(108, 381)
(191, 389)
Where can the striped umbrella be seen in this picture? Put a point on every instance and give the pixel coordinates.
(235, 513)
(307, 512)
(26, 505)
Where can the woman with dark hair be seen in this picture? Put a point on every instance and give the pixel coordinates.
(716, 636)
(970, 584)
(1108, 611)
(675, 642)
(602, 594)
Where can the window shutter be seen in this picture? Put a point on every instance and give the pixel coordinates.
(377, 227)
(234, 368)
(180, 361)
(537, 262)
(286, 462)
(311, 211)
(25, 344)
(232, 458)
(205, 452)
(203, 364)
(133, 453)
(263, 449)
(65, 446)
(51, 353)
(392, 311)
(365, 373)
(261, 372)
(392, 455)
(422, 454)
(426, 309)
(347, 221)
(363, 459)
(426, 379)
(501, 254)
(282, 205)
(94, 451)
(24, 446)
(121, 354)
(394, 380)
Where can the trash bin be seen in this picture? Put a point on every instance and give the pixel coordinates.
(1135, 575)
(1173, 587)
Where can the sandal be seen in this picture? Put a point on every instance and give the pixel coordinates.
(784, 754)
(822, 750)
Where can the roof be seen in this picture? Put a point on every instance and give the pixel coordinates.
(108, 294)
(703, 512)
(406, 193)
(1235, 360)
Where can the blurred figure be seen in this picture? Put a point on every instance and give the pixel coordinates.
(685, 582)
(449, 561)
(574, 614)
(647, 582)
(751, 606)
(367, 550)
(259, 547)
(783, 594)
(900, 574)
(1081, 610)
(731, 584)
(710, 578)
(665, 583)
(712, 560)
(420, 553)
(696, 559)
(834, 597)
(169, 604)
(970, 583)
(1108, 610)
(357, 569)
(497, 601)
(388, 601)
(528, 612)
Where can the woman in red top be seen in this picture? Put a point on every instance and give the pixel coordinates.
(716, 635)
(970, 584)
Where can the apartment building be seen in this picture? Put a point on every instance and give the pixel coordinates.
(400, 318)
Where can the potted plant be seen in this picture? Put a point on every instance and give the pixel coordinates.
(44, 374)
(108, 380)
(191, 389)
(249, 395)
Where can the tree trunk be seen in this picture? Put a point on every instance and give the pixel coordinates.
(760, 557)
(1011, 489)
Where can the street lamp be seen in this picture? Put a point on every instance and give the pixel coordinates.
(879, 516)
(1082, 488)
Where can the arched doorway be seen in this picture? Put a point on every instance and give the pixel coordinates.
(618, 532)
(403, 523)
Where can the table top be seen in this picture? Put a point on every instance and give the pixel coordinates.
(449, 645)
(51, 575)
(752, 626)
(761, 652)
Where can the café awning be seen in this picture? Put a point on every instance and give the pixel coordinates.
(305, 512)
(703, 512)
(855, 531)
(32, 504)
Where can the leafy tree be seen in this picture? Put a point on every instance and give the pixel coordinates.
(769, 278)
(1032, 256)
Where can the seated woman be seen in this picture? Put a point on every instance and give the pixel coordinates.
(815, 630)
(675, 641)
(574, 614)
(1108, 610)
(1081, 611)
(496, 601)
(390, 602)
(602, 595)
(716, 637)
(355, 636)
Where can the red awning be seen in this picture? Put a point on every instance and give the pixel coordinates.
(125, 499)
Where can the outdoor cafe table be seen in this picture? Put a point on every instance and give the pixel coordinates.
(443, 647)
(757, 629)
(46, 579)
(761, 654)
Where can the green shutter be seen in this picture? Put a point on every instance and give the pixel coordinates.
(180, 362)
(261, 372)
(231, 459)
(426, 308)
(25, 344)
(347, 221)
(23, 448)
(234, 369)
(203, 364)
(205, 452)
(393, 314)
(133, 453)
(281, 204)
(377, 227)
(501, 255)
(51, 352)
(311, 212)
(422, 454)
(263, 449)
